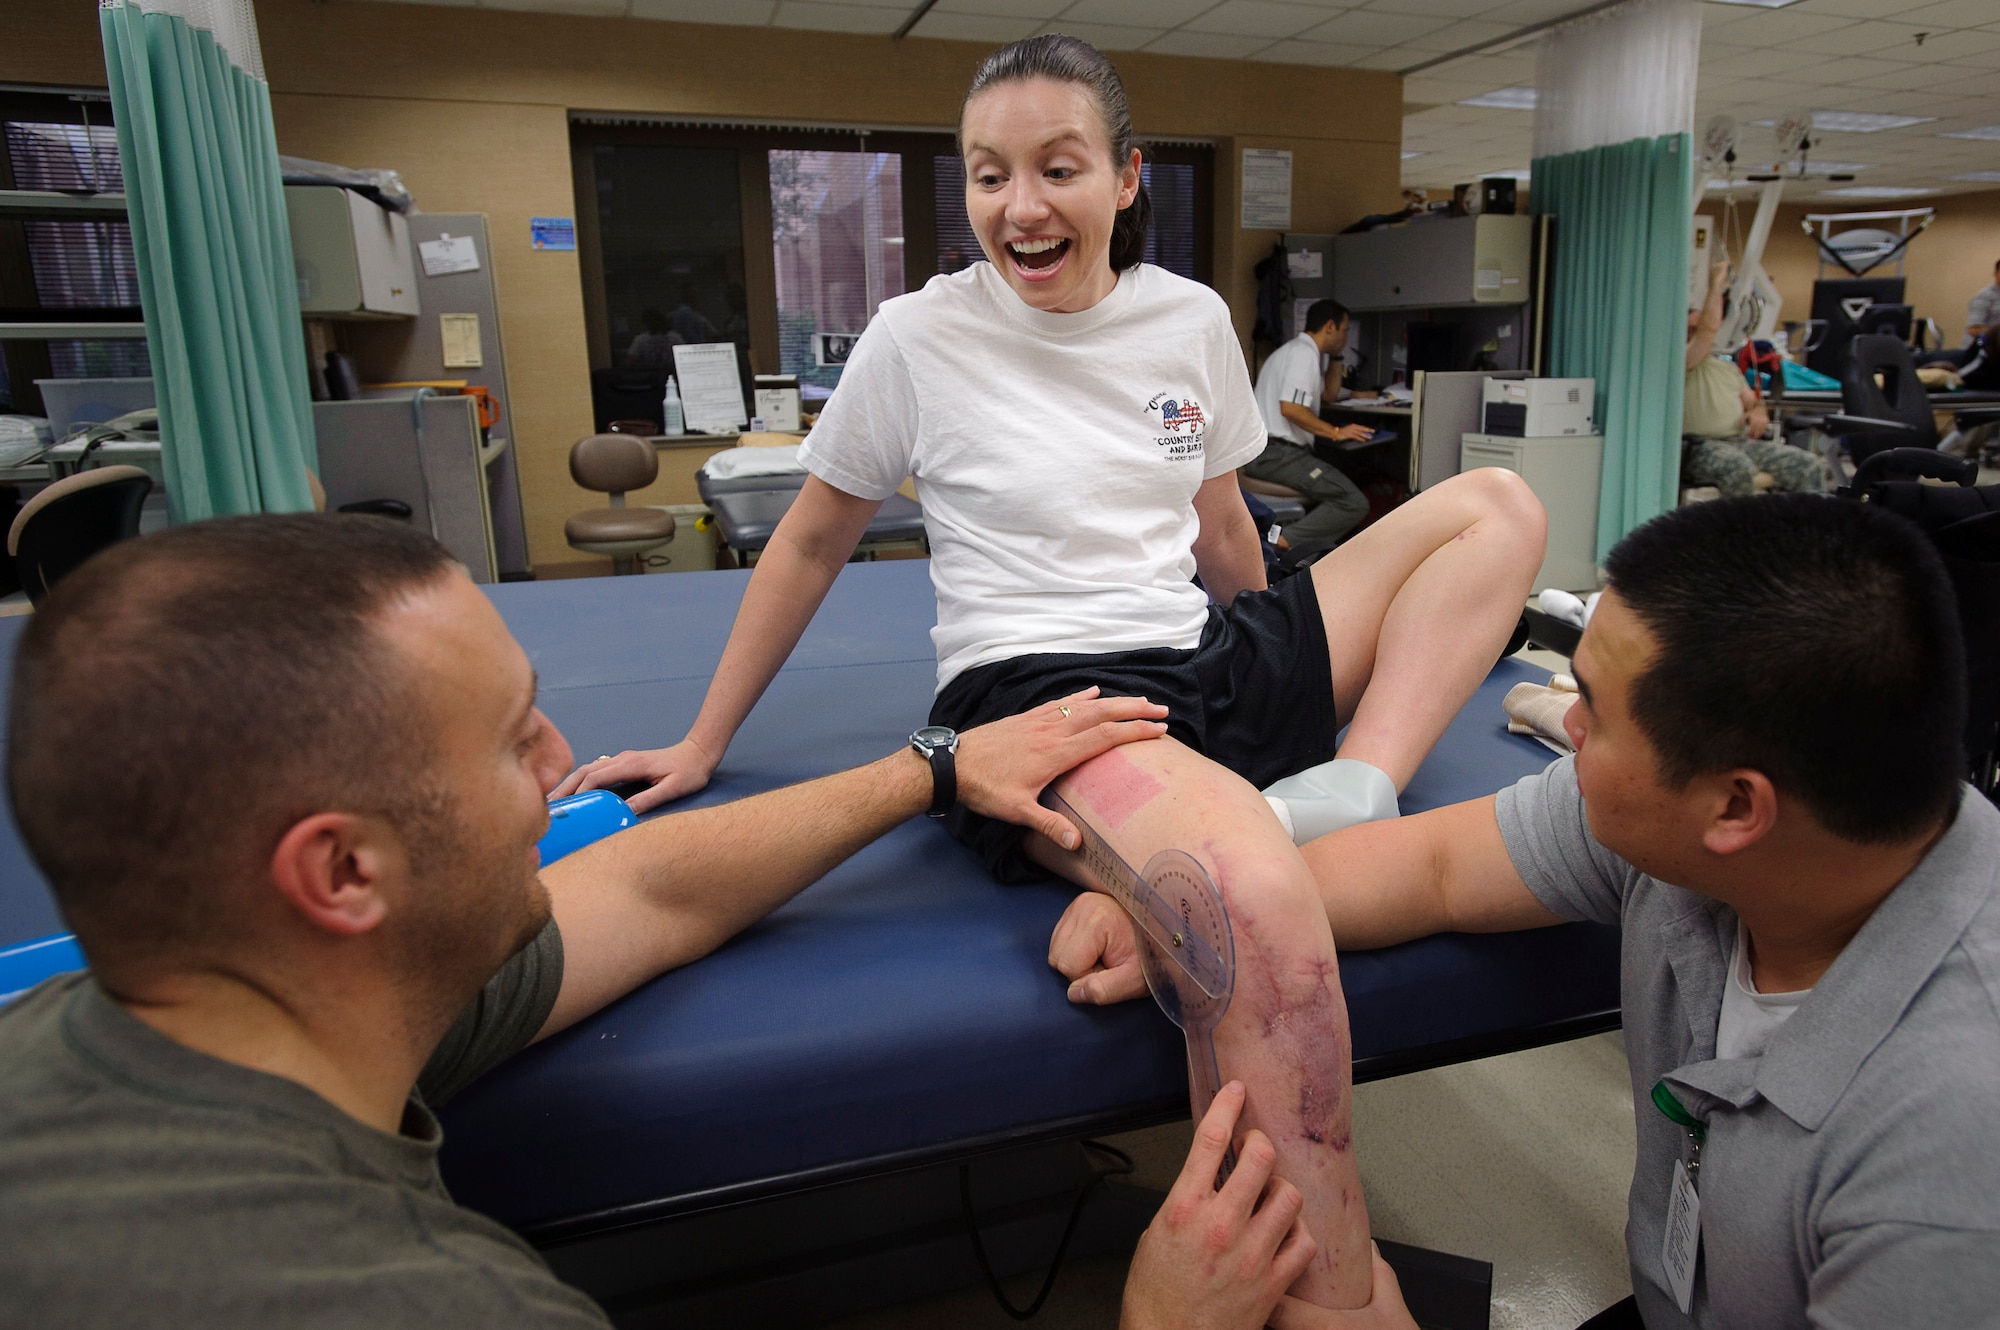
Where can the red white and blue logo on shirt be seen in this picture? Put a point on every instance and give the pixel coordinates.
(1183, 421)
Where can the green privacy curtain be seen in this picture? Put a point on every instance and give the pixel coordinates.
(1617, 309)
(207, 210)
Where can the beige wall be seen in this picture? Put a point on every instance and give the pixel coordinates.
(1945, 265)
(471, 106)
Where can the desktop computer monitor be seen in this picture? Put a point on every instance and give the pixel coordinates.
(1854, 305)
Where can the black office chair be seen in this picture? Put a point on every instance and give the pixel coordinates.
(1963, 521)
(1883, 403)
(73, 519)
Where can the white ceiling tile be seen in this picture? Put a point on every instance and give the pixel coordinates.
(1258, 18)
(1951, 14)
(748, 13)
(1881, 39)
(1834, 76)
(1396, 57)
(1154, 14)
(1458, 36)
(1779, 28)
(819, 16)
(1364, 27)
(1106, 36)
(1856, 8)
(1317, 53)
(1762, 64)
(1524, 12)
(973, 27)
(1452, 8)
(592, 8)
(1212, 45)
(1943, 46)
(1042, 10)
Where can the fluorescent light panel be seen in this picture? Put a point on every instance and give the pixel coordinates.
(1408, 155)
(1983, 132)
(1983, 177)
(1860, 122)
(1506, 99)
(1878, 192)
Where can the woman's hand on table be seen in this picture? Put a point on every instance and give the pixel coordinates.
(1004, 765)
(670, 773)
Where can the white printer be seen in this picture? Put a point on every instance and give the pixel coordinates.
(1538, 408)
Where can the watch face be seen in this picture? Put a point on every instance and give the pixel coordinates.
(934, 736)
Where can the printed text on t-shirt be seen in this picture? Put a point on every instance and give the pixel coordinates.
(1182, 418)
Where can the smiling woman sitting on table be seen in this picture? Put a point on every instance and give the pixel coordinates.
(1074, 420)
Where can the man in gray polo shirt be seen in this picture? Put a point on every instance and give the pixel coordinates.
(1767, 796)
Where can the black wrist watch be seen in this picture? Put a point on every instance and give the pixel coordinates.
(936, 744)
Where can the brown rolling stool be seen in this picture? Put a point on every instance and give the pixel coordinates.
(613, 464)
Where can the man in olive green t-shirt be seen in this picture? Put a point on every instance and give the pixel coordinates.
(285, 776)
(1723, 420)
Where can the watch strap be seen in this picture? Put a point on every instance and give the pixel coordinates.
(944, 779)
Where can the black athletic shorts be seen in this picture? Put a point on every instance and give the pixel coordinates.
(1256, 695)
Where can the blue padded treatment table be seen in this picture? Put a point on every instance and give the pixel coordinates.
(900, 1011)
(748, 509)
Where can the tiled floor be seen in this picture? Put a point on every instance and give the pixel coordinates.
(1520, 1160)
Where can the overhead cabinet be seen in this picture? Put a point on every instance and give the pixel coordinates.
(1435, 262)
(353, 257)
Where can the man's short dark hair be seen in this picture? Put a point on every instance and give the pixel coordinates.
(183, 699)
(1811, 639)
(1322, 312)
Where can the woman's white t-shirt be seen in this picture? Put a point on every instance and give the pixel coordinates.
(1056, 455)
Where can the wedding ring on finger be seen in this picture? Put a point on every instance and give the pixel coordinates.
(1065, 712)
(604, 757)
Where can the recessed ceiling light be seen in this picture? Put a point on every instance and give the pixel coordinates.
(1508, 99)
(1983, 177)
(1878, 192)
(1983, 132)
(1860, 122)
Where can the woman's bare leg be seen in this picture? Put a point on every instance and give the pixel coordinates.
(1418, 607)
(1285, 1032)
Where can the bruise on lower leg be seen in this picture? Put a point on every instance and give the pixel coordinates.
(1285, 1036)
(1285, 1033)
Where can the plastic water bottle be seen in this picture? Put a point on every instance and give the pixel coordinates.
(671, 419)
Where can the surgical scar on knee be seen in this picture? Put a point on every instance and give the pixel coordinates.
(1115, 787)
(1304, 1030)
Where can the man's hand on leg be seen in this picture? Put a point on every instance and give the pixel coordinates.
(1385, 1311)
(1219, 1259)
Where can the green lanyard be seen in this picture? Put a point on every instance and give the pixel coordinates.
(1663, 1099)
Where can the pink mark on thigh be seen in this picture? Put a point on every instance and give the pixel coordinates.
(1115, 787)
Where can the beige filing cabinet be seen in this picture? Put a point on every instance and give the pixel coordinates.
(1564, 474)
(352, 257)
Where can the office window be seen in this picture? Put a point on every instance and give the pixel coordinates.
(78, 263)
(670, 226)
(1176, 241)
(837, 244)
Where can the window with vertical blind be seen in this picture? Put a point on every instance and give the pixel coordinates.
(837, 245)
(786, 239)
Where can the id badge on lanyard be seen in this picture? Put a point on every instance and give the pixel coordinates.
(1681, 1247)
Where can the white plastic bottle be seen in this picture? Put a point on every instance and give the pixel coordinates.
(671, 421)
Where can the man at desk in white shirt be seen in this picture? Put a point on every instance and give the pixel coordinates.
(1289, 389)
